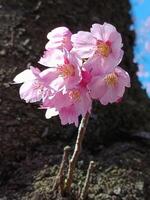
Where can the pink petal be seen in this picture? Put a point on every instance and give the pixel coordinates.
(57, 84)
(120, 89)
(97, 87)
(59, 43)
(108, 30)
(35, 71)
(124, 77)
(51, 45)
(28, 93)
(116, 40)
(109, 63)
(48, 75)
(51, 112)
(110, 96)
(24, 76)
(73, 58)
(58, 32)
(97, 31)
(84, 105)
(102, 32)
(117, 54)
(99, 65)
(52, 58)
(93, 65)
(68, 115)
(58, 100)
(59, 38)
(83, 44)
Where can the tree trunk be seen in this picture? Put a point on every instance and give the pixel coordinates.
(29, 142)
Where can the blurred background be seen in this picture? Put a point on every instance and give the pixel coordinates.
(140, 12)
(118, 135)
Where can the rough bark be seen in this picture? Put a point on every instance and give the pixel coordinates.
(29, 144)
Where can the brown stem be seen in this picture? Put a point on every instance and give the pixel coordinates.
(59, 181)
(86, 183)
(77, 150)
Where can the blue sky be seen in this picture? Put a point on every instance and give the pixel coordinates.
(141, 17)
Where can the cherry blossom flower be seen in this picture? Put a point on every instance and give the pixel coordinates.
(66, 73)
(108, 88)
(35, 84)
(59, 38)
(70, 105)
(80, 68)
(102, 45)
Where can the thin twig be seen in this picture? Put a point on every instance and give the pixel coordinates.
(59, 181)
(77, 150)
(86, 183)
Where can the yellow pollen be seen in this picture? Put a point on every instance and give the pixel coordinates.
(74, 95)
(66, 70)
(111, 79)
(103, 49)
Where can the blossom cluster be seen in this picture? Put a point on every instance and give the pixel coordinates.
(80, 67)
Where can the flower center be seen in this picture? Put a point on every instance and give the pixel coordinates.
(111, 79)
(74, 95)
(103, 48)
(66, 70)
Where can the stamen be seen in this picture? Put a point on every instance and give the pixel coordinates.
(66, 70)
(111, 79)
(74, 95)
(103, 48)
